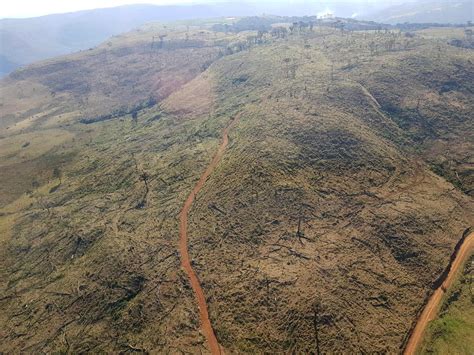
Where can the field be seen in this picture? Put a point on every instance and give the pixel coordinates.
(345, 185)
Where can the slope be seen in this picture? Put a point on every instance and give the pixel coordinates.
(322, 228)
(24, 41)
(293, 251)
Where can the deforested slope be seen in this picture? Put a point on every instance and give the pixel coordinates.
(331, 222)
(322, 228)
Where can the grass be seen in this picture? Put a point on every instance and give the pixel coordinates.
(292, 148)
(28, 146)
(453, 331)
(90, 263)
(76, 246)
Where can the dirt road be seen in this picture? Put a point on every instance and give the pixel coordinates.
(431, 309)
(183, 245)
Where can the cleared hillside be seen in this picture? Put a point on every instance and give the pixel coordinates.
(323, 227)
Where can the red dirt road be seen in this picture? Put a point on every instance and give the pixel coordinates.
(183, 245)
(431, 309)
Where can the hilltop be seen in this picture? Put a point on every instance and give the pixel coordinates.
(345, 185)
(26, 40)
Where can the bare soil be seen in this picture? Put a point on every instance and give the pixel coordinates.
(183, 245)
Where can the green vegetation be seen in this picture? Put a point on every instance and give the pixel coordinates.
(322, 227)
(453, 331)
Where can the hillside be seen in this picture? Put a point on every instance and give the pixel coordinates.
(426, 11)
(24, 41)
(344, 186)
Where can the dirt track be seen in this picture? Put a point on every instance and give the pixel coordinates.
(183, 245)
(432, 307)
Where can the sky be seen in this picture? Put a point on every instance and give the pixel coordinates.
(32, 8)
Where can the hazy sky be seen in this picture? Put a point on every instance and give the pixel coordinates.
(31, 8)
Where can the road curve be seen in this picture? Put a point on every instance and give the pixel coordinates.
(183, 245)
(431, 309)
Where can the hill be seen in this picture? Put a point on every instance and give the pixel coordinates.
(24, 41)
(426, 11)
(344, 187)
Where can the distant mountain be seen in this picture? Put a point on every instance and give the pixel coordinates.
(454, 12)
(24, 41)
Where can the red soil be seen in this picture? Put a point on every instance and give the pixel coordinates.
(183, 246)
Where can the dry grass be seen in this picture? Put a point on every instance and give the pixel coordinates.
(196, 98)
(375, 223)
(23, 147)
(324, 209)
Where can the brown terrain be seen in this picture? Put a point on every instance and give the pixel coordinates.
(183, 245)
(345, 186)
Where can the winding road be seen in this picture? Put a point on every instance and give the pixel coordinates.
(428, 314)
(206, 325)
(431, 309)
